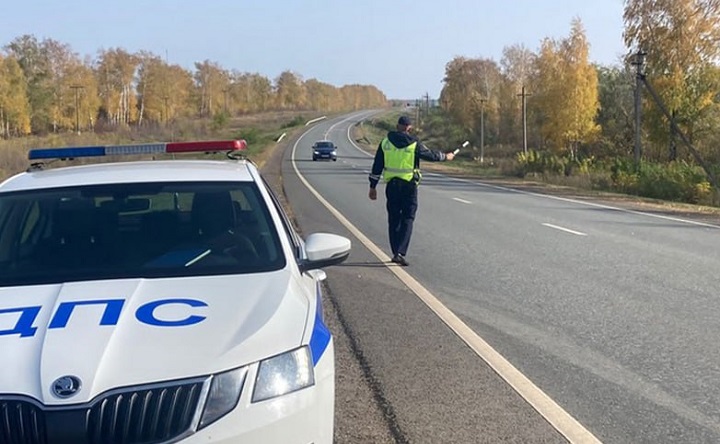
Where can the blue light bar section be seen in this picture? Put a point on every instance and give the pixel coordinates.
(66, 153)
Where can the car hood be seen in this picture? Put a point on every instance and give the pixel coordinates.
(111, 334)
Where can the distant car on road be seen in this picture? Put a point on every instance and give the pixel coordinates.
(324, 149)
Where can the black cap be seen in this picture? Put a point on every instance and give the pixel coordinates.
(404, 121)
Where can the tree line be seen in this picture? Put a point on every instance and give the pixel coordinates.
(574, 106)
(46, 87)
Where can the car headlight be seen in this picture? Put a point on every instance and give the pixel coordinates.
(223, 396)
(284, 374)
(317, 152)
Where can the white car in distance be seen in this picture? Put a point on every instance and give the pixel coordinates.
(164, 301)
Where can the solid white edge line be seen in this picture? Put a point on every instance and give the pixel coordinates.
(567, 230)
(565, 424)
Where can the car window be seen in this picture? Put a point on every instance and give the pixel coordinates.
(135, 230)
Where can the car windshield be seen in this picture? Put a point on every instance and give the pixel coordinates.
(146, 230)
(324, 145)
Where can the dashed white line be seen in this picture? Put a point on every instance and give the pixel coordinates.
(461, 200)
(567, 230)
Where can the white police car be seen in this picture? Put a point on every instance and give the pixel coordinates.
(160, 302)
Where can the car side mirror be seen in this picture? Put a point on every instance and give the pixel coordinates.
(324, 250)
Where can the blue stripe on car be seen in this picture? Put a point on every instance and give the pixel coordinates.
(320, 338)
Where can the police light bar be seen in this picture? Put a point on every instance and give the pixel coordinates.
(147, 148)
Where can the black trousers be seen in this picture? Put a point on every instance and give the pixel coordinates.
(402, 204)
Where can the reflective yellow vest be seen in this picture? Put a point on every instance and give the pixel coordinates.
(399, 162)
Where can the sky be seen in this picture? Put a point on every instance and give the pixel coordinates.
(399, 46)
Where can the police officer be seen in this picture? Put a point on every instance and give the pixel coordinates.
(398, 160)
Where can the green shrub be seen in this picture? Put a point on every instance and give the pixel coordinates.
(675, 181)
(545, 163)
(219, 121)
(296, 121)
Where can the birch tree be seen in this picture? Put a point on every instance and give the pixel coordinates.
(14, 105)
(115, 72)
(33, 61)
(565, 96)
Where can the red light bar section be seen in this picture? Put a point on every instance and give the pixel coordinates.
(213, 145)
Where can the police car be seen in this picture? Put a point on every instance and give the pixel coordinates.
(163, 301)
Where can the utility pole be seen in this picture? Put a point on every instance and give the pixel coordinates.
(482, 130)
(77, 89)
(524, 96)
(638, 62)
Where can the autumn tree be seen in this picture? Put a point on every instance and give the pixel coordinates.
(212, 88)
(115, 72)
(73, 88)
(14, 105)
(164, 91)
(565, 93)
(178, 93)
(582, 88)
(616, 114)
(250, 92)
(81, 79)
(152, 88)
(681, 39)
(458, 86)
(240, 92)
(32, 58)
(290, 91)
(261, 93)
(516, 67)
(361, 97)
(319, 94)
(472, 87)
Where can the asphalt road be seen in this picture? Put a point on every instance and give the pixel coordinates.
(610, 314)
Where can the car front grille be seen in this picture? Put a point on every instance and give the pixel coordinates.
(141, 415)
(146, 416)
(21, 423)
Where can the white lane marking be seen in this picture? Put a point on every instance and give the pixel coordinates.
(580, 202)
(462, 200)
(567, 230)
(561, 420)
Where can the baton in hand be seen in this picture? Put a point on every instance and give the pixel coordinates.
(464, 145)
